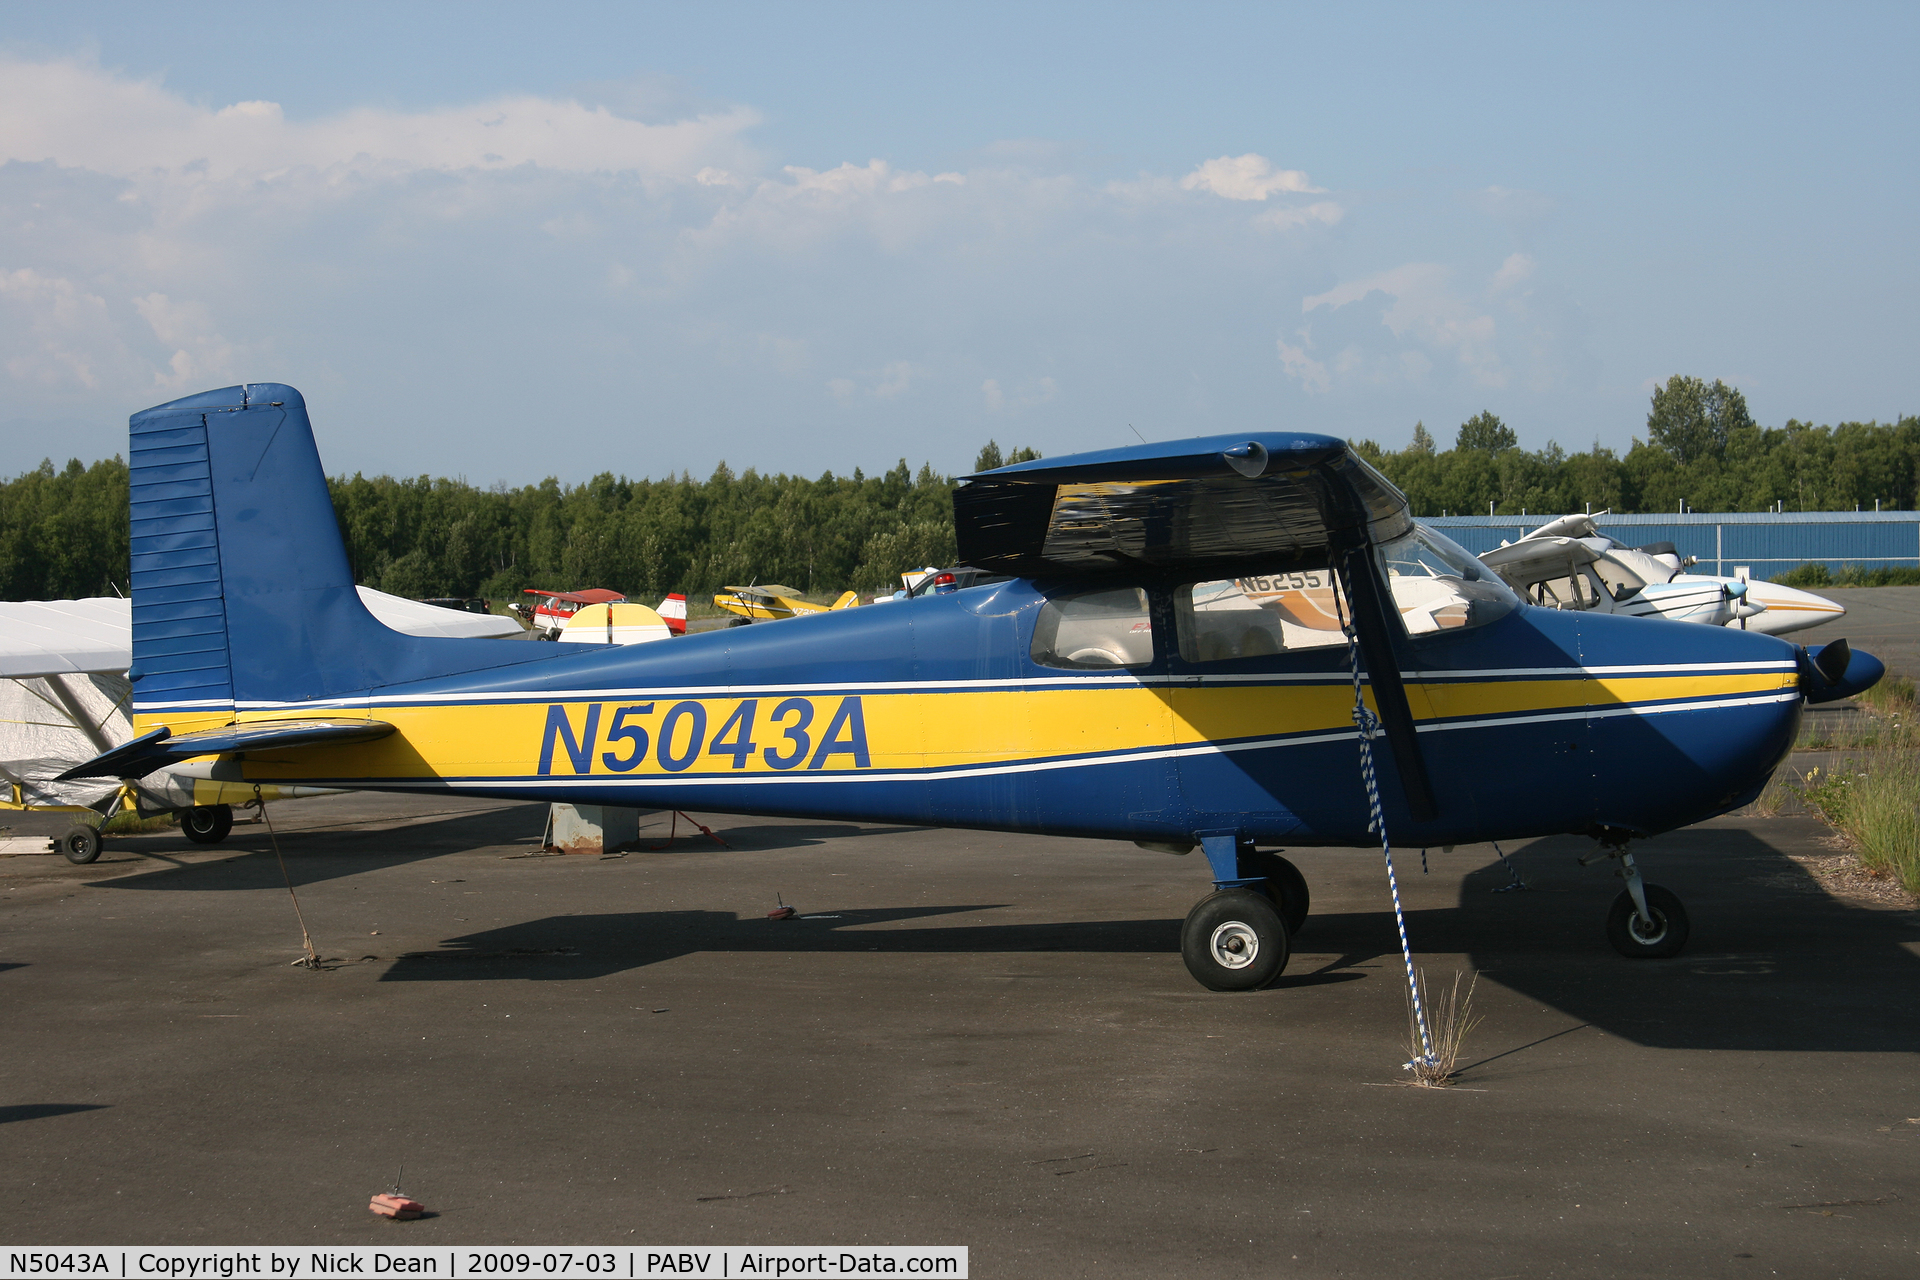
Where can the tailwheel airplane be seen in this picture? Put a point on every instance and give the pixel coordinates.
(1128, 681)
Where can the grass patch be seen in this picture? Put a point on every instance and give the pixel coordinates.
(1449, 1019)
(1875, 800)
(1850, 575)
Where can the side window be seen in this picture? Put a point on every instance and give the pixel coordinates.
(1095, 629)
(1253, 617)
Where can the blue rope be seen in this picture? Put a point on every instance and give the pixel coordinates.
(1369, 725)
(1516, 882)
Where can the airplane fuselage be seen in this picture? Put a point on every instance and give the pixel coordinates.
(935, 711)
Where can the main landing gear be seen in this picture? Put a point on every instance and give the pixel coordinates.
(1646, 922)
(1239, 938)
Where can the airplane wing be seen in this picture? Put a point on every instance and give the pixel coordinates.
(1222, 504)
(162, 747)
(1217, 507)
(65, 637)
(766, 590)
(418, 619)
(1537, 559)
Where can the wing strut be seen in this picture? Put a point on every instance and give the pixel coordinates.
(1371, 623)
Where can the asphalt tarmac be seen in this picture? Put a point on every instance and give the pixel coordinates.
(980, 1039)
(1885, 621)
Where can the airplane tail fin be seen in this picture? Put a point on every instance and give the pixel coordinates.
(242, 594)
(673, 612)
(846, 601)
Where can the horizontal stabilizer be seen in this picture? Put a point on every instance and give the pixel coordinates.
(161, 747)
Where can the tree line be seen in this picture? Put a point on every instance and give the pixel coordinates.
(1702, 452)
(63, 533)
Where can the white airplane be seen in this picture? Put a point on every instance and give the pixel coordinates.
(64, 698)
(1569, 564)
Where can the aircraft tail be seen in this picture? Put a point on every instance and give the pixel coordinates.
(673, 612)
(242, 594)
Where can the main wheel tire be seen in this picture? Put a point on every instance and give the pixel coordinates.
(1285, 885)
(207, 823)
(81, 844)
(1234, 940)
(1634, 940)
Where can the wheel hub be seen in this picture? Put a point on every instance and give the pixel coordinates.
(1234, 945)
(1647, 933)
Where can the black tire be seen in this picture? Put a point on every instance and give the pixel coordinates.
(1285, 885)
(207, 823)
(1234, 941)
(81, 844)
(1670, 926)
(738, 622)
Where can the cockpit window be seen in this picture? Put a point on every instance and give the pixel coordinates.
(1094, 630)
(1255, 616)
(1439, 586)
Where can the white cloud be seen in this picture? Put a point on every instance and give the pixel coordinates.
(677, 286)
(56, 332)
(1310, 373)
(81, 116)
(201, 357)
(1031, 394)
(1425, 311)
(1248, 177)
(1325, 212)
(1514, 272)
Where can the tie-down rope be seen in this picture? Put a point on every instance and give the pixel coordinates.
(1369, 725)
(312, 959)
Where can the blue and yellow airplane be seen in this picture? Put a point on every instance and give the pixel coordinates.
(1171, 663)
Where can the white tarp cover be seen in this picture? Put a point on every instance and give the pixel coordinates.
(65, 637)
(64, 689)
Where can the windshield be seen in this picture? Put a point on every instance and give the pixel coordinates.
(1439, 586)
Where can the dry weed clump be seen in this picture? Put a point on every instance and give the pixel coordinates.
(1449, 1019)
(1873, 800)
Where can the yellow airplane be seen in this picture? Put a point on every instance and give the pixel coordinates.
(773, 601)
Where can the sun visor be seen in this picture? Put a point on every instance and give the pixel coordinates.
(1210, 504)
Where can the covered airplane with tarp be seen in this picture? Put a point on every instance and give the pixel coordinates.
(65, 698)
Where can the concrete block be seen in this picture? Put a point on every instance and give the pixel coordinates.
(593, 828)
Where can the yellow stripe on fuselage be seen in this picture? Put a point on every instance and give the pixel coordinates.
(885, 731)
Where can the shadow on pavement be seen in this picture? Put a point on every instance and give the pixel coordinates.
(39, 1110)
(321, 853)
(1774, 962)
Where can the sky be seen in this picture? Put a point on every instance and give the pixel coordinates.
(504, 242)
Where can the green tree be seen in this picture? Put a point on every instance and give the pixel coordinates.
(1693, 421)
(1486, 433)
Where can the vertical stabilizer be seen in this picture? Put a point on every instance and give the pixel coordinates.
(242, 594)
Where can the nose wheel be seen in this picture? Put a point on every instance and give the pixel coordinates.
(1646, 922)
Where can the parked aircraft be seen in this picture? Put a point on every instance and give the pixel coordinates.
(772, 602)
(547, 616)
(1569, 564)
(1098, 693)
(64, 697)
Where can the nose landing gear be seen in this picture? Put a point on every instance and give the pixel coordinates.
(1646, 922)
